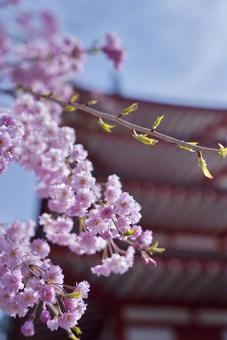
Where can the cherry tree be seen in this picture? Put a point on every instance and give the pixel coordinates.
(85, 216)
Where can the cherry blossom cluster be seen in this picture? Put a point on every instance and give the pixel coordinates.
(42, 24)
(86, 216)
(11, 132)
(48, 63)
(113, 50)
(30, 284)
(45, 61)
(105, 213)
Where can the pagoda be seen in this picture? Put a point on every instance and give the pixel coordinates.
(185, 296)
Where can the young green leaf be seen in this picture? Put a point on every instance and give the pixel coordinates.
(187, 148)
(157, 122)
(76, 330)
(155, 249)
(73, 295)
(47, 94)
(144, 139)
(131, 108)
(203, 166)
(92, 102)
(105, 126)
(71, 336)
(222, 151)
(55, 96)
(69, 108)
(74, 98)
(129, 232)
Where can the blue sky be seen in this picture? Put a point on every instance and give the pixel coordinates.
(177, 49)
(17, 199)
(177, 52)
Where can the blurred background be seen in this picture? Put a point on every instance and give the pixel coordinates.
(177, 66)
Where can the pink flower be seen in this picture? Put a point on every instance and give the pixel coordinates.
(71, 304)
(78, 153)
(115, 264)
(40, 248)
(82, 180)
(113, 50)
(62, 197)
(67, 320)
(54, 275)
(13, 280)
(96, 224)
(106, 213)
(146, 238)
(87, 243)
(27, 298)
(52, 159)
(84, 288)
(14, 255)
(45, 316)
(11, 132)
(84, 198)
(28, 329)
(53, 324)
(125, 204)
(19, 232)
(49, 23)
(48, 294)
(123, 224)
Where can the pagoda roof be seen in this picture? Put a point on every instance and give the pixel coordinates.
(187, 212)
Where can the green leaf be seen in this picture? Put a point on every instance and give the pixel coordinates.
(144, 139)
(187, 148)
(129, 232)
(55, 96)
(92, 102)
(73, 295)
(131, 108)
(203, 166)
(74, 98)
(222, 151)
(155, 249)
(77, 330)
(47, 94)
(69, 108)
(106, 127)
(157, 122)
(73, 337)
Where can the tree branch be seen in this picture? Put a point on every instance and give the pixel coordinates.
(118, 120)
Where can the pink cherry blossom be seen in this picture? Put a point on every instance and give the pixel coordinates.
(67, 320)
(45, 316)
(115, 264)
(113, 50)
(48, 294)
(28, 328)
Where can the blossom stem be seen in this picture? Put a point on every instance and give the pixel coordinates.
(52, 309)
(110, 248)
(105, 254)
(120, 121)
(117, 249)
